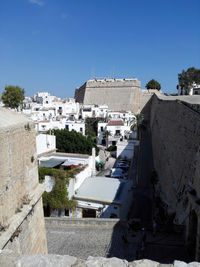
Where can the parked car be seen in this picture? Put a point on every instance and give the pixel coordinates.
(116, 173)
(123, 166)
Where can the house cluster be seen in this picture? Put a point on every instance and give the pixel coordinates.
(50, 112)
(96, 194)
(99, 196)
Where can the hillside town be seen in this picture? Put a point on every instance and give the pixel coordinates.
(99, 133)
(109, 170)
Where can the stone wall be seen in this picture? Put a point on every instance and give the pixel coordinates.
(118, 94)
(7, 258)
(21, 214)
(175, 128)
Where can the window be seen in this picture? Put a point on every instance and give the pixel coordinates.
(117, 132)
(81, 129)
(101, 128)
(67, 127)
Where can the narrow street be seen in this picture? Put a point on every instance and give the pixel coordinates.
(165, 247)
(143, 197)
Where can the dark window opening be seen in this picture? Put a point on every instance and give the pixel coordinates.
(89, 213)
(66, 212)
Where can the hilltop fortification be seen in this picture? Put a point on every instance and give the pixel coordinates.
(118, 94)
(22, 227)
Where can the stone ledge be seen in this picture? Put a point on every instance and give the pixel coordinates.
(51, 221)
(16, 220)
(7, 258)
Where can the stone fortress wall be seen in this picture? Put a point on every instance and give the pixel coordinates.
(175, 129)
(22, 227)
(118, 94)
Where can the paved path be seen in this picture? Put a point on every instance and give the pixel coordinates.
(142, 194)
(84, 241)
(108, 166)
(105, 241)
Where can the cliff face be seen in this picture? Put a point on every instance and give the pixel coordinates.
(21, 215)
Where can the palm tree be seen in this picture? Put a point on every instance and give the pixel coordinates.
(138, 124)
(107, 134)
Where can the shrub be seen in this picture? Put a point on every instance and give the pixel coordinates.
(112, 148)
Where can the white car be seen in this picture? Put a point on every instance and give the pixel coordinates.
(116, 173)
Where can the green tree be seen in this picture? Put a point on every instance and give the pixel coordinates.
(186, 78)
(153, 84)
(12, 96)
(73, 142)
(139, 124)
(91, 126)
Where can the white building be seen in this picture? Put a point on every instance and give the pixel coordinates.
(94, 111)
(86, 162)
(117, 129)
(103, 198)
(194, 90)
(46, 125)
(45, 144)
(47, 107)
(77, 126)
(126, 116)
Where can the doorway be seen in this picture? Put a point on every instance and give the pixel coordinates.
(88, 213)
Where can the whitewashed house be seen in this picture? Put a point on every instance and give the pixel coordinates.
(103, 197)
(45, 144)
(127, 116)
(194, 90)
(78, 126)
(94, 111)
(117, 129)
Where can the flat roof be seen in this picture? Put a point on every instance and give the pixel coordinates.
(50, 163)
(69, 163)
(102, 189)
(73, 155)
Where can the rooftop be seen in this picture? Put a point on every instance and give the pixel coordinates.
(51, 163)
(102, 189)
(115, 123)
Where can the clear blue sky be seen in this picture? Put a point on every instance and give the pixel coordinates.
(57, 45)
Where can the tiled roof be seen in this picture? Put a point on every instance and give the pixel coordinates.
(116, 123)
(45, 121)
